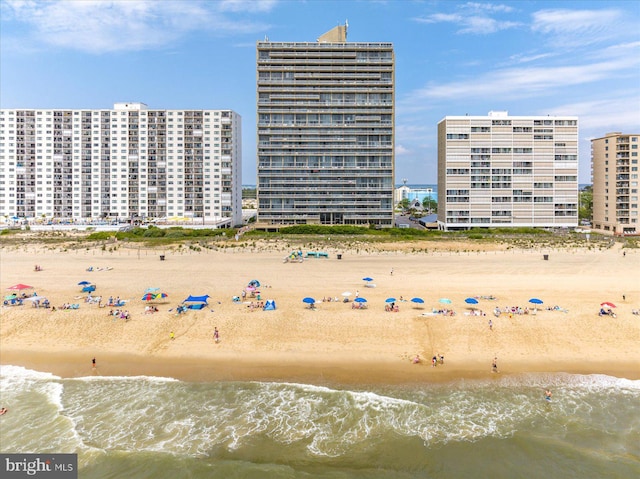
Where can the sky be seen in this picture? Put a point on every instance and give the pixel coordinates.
(575, 58)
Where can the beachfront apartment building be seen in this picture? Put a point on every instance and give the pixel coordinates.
(614, 175)
(127, 163)
(325, 139)
(507, 171)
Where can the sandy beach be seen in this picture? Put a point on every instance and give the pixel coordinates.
(333, 343)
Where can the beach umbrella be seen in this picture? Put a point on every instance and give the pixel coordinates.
(360, 300)
(152, 290)
(607, 303)
(255, 283)
(417, 300)
(471, 301)
(346, 294)
(390, 300)
(84, 283)
(308, 300)
(367, 279)
(19, 287)
(160, 295)
(535, 301)
(445, 300)
(148, 297)
(10, 297)
(89, 289)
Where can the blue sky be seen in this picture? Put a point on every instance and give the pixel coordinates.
(452, 58)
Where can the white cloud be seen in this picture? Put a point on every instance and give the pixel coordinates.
(567, 29)
(401, 150)
(523, 82)
(487, 7)
(105, 26)
(474, 18)
(564, 21)
(247, 5)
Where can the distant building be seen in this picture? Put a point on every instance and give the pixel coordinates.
(500, 170)
(127, 163)
(405, 192)
(325, 144)
(614, 167)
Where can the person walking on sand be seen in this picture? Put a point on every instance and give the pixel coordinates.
(93, 363)
(494, 365)
(391, 271)
(216, 335)
(172, 336)
(491, 325)
(434, 361)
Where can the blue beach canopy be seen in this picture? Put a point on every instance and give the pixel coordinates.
(535, 301)
(197, 299)
(308, 300)
(360, 300)
(367, 279)
(417, 300)
(471, 301)
(390, 300)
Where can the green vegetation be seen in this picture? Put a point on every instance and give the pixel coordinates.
(585, 212)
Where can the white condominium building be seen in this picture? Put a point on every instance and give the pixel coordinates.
(614, 167)
(127, 163)
(507, 171)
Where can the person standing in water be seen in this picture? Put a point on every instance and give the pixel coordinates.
(547, 395)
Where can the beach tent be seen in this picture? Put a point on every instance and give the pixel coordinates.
(269, 305)
(196, 302)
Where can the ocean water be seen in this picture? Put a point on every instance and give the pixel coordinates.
(147, 427)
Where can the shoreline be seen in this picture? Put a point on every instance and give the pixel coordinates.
(295, 369)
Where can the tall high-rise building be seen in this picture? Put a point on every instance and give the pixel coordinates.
(614, 168)
(500, 170)
(325, 141)
(129, 162)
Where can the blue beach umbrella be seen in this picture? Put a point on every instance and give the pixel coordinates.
(535, 301)
(84, 283)
(471, 301)
(308, 300)
(367, 279)
(360, 300)
(417, 300)
(390, 300)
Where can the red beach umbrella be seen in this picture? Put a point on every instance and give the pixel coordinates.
(607, 303)
(19, 287)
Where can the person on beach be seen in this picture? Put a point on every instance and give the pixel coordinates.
(172, 336)
(93, 363)
(441, 359)
(391, 271)
(216, 335)
(547, 395)
(491, 325)
(434, 361)
(3, 410)
(416, 360)
(494, 365)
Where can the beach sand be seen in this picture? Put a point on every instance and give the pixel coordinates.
(333, 343)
